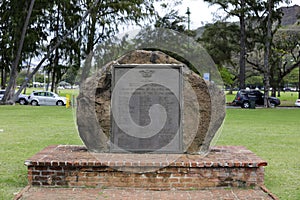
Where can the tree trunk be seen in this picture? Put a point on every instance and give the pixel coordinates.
(48, 81)
(242, 61)
(89, 50)
(279, 80)
(56, 56)
(9, 96)
(267, 56)
(28, 71)
(53, 79)
(3, 78)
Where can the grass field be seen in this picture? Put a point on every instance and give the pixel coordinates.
(25, 130)
(273, 134)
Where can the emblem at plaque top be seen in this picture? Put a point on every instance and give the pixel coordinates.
(146, 73)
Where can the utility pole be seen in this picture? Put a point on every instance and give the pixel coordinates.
(188, 14)
(189, 21)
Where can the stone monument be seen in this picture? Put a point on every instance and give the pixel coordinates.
(163, 106)
(147, 122)
(148, 119)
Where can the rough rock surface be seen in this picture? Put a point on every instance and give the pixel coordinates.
(203, 112)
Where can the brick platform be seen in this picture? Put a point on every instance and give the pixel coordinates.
(74, 166)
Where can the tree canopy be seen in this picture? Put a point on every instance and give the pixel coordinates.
(260, 41)
(55, 37)
(59, 34)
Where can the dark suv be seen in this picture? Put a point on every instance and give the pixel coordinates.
(244, 98)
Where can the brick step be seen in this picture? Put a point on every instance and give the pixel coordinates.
(45, 193)
(74, 166)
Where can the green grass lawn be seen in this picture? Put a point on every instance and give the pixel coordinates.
(273, 134)
(25, 130)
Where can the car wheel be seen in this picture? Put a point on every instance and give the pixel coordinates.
(22, 101)
(246, 104)
(273, 105)
(60, 103)
(34, 103)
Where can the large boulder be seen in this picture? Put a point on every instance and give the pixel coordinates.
(203, 105)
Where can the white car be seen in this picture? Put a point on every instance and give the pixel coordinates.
(22, 99)
(37, 98)
(297, 103)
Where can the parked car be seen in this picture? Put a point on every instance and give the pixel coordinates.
(37, 98)
(297, 103)
(245, 97)
(1, 94)
(22, 99)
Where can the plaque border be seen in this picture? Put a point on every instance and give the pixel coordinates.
(114, 148)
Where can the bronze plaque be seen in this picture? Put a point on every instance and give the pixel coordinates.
(146, 108)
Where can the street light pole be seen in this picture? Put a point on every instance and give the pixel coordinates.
(188, 14)
(189, 21)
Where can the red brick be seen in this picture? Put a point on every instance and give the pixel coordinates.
(40, 168)
(192, 185)
(90, 174)
(60, 173)
(177, 185)
(46, 173)
(173, 180)
(163, 175)
(194, 175)
(34, 172)
(185, 180)
(36, 183)
(178, 175)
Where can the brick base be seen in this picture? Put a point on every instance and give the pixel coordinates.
(74, 166)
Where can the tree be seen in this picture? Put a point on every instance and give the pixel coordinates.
(287, 51)
(105, 20)
(9, 93)
(52, 48)
(19, 45)
(240, 9)
(64, 14)
(267, 49)
(261, 20)
(95, 21)
(220, 39)
(267, 24)
(5, 43)
(171, 19)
